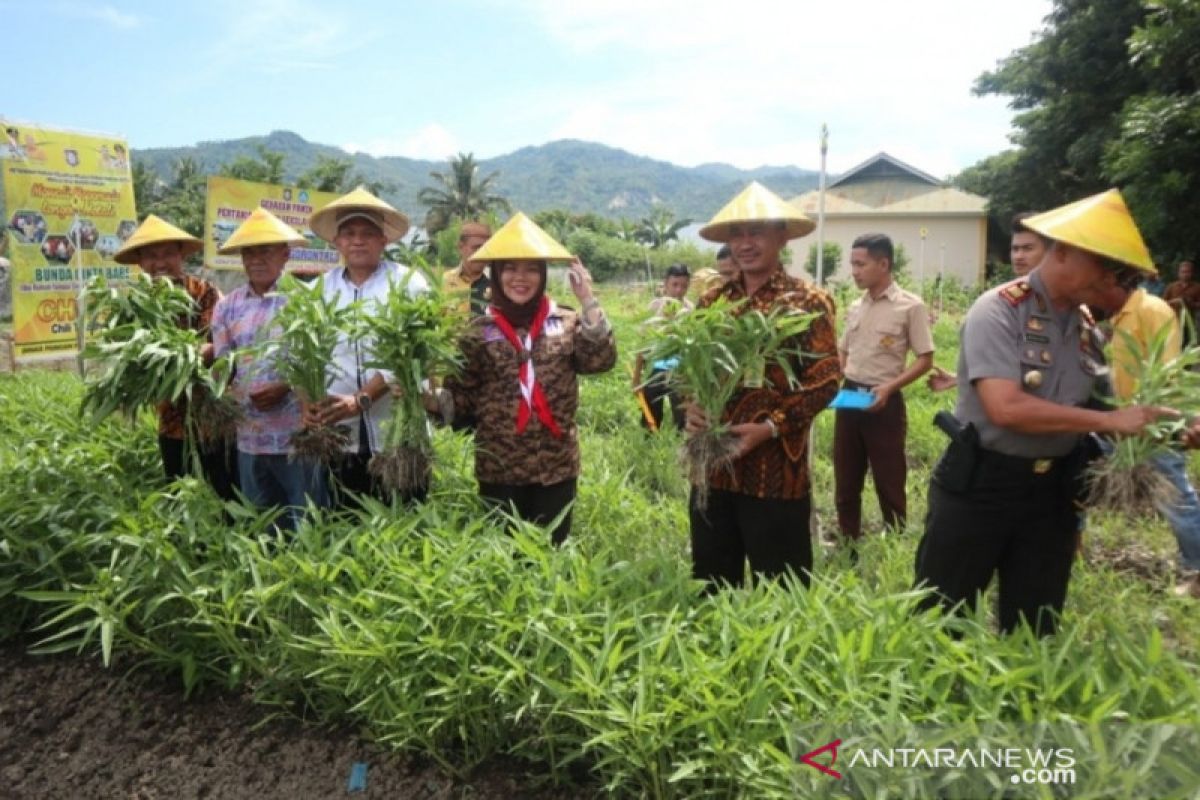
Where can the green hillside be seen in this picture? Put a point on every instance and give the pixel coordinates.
(575, 175)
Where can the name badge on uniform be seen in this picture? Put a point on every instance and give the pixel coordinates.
(553, 327)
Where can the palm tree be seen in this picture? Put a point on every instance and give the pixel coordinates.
(660, 227)
(460, 194)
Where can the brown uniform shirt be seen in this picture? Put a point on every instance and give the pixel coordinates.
(205, 296)
(488, 390)
(778, 468)
(880, 332)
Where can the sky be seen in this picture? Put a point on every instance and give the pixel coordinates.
(747, 83)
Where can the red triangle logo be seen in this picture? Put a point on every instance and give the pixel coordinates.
(832, 747)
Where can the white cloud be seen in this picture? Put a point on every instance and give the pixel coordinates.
(751, 83)
(431, 142)
(105, 13)
(282, 37)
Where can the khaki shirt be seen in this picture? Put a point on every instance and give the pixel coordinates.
(467, 297)
(880, 332)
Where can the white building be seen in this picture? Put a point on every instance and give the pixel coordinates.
(939, 226)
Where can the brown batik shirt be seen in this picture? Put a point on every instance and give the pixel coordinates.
(204, 297)
(778, 468)
(488, 391)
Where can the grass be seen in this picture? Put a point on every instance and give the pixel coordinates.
(600, 663)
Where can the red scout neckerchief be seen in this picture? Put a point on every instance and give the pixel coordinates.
(533, 399)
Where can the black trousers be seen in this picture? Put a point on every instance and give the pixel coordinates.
(657, 393)
(349, 478)
(534, 503)
(772, 534)
(1011, 522)
(218, 464)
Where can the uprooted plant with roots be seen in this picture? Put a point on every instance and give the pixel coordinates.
(413, 339)
(309, 326)
(718, 350)
(147, 356)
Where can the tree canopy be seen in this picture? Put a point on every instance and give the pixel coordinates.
(1106, 95)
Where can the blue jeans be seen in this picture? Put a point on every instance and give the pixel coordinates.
(1183, 514)
(270, 481)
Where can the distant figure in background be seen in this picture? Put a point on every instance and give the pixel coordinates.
(657, 390)
(1183, 295)
(725, 271)
(160, 248)
(1027, 247)
(468, 282)
(882, 326)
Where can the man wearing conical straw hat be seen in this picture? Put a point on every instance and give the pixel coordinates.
(758, 510)
(1001, 498)
(360, 226)
(519, 384)
(159, 249)
(269, 476)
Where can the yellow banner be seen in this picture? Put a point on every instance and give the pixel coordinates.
(68, 206)
(230, 201)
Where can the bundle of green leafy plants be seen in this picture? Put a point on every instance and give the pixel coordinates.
(719, 350)
(309, 327)
(412, 337)
(147, 356)
(1127, 480)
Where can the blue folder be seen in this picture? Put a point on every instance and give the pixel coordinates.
(853, 399)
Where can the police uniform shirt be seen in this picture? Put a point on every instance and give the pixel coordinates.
(1014, 333)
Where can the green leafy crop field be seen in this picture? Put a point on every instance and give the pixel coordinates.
(439, 633)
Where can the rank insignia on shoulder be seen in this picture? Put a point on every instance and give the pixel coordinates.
(1016, 292)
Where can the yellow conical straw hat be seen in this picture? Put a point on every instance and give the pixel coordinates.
(1100, 224)
(152, 231)
(261, 227)
(757, 203)
(324, 223)
(520, 238)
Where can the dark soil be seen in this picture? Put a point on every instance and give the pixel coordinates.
(71, 729)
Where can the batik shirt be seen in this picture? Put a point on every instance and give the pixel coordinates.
(204, 296)
(778, 468)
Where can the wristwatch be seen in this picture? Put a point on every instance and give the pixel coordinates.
(364, 401)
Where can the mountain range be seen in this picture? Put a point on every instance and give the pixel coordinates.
(569, 174)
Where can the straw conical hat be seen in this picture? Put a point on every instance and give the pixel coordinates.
(757, 203)
(261, 227)
(324, 223)
(1100, 224)
(152, 231)
(520, 238)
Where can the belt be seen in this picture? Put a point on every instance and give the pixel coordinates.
(1020, 464)
(849, 384)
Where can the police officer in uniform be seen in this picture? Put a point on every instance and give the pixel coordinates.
(1002, 496)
